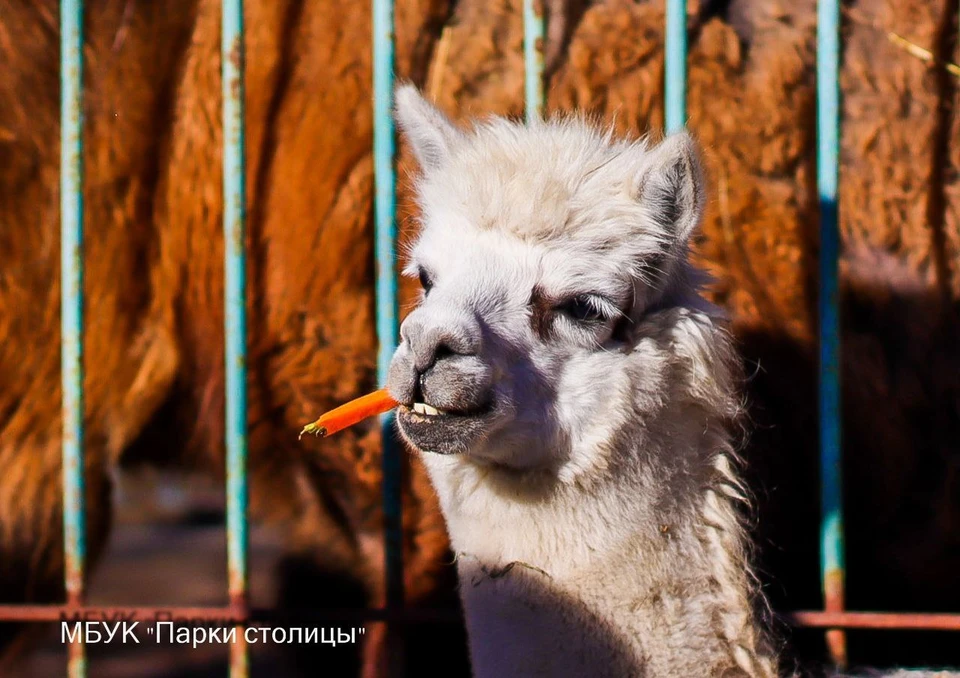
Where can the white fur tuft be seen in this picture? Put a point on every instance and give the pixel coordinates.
(431, 134)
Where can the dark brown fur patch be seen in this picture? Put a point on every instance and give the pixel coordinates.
(542, 313)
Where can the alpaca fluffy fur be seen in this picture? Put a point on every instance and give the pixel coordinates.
(596, 521)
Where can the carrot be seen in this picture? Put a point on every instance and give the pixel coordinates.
(351, 413)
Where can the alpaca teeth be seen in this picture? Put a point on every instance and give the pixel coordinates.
(423, 408)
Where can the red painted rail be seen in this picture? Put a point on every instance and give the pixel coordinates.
(915, 621)
(221, 614)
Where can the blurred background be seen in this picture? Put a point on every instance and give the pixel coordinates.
(154, 338)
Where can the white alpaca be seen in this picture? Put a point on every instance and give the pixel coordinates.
(573, 395)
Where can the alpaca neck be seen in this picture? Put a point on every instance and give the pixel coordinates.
(631, 574)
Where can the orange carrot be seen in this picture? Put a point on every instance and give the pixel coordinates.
(351, 413)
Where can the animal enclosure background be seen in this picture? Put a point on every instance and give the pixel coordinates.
(154, 289)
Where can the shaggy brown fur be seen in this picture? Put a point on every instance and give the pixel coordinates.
(154, 379)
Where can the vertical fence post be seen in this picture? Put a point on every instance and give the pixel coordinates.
(675, 66)
(71, 309)
(828, 147)
(235, 315)
(385, 235)
(533, 31)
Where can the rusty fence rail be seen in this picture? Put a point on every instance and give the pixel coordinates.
(228, 614)
(833, 617)
(831, 460)
(232, 62)
(71, 309)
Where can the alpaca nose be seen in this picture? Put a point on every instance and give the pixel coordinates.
(440, 360)
(432, 340)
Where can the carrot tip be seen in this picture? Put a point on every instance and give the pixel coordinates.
(351, 413)
(319, 431)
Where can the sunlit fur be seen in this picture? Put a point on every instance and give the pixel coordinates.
(595, 522)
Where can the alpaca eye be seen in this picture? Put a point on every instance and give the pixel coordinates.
(426, 282)
(582, 309)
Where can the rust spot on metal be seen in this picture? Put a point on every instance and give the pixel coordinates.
(237, 232)
(837, 647)
(235, 57)
(236, 52)
(834, 602)
(833, 590)
(239, 600)
(239, 656)
(76, 659)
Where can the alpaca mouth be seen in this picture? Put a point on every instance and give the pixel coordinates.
(426, 410)
(431, 429)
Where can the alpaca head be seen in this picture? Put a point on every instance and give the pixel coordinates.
(545, 252)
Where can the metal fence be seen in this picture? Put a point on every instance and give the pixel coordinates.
(832, 617)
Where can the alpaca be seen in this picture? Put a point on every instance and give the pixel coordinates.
(572, 395)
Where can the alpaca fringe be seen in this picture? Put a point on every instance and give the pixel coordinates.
(736, 588)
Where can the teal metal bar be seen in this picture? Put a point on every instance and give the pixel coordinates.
(675, 66)
(828, 172)
(385, 234)
(235, 312)
(533, 31)
(71, 309)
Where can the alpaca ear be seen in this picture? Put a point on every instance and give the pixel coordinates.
(430, 133)
(670, 185)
